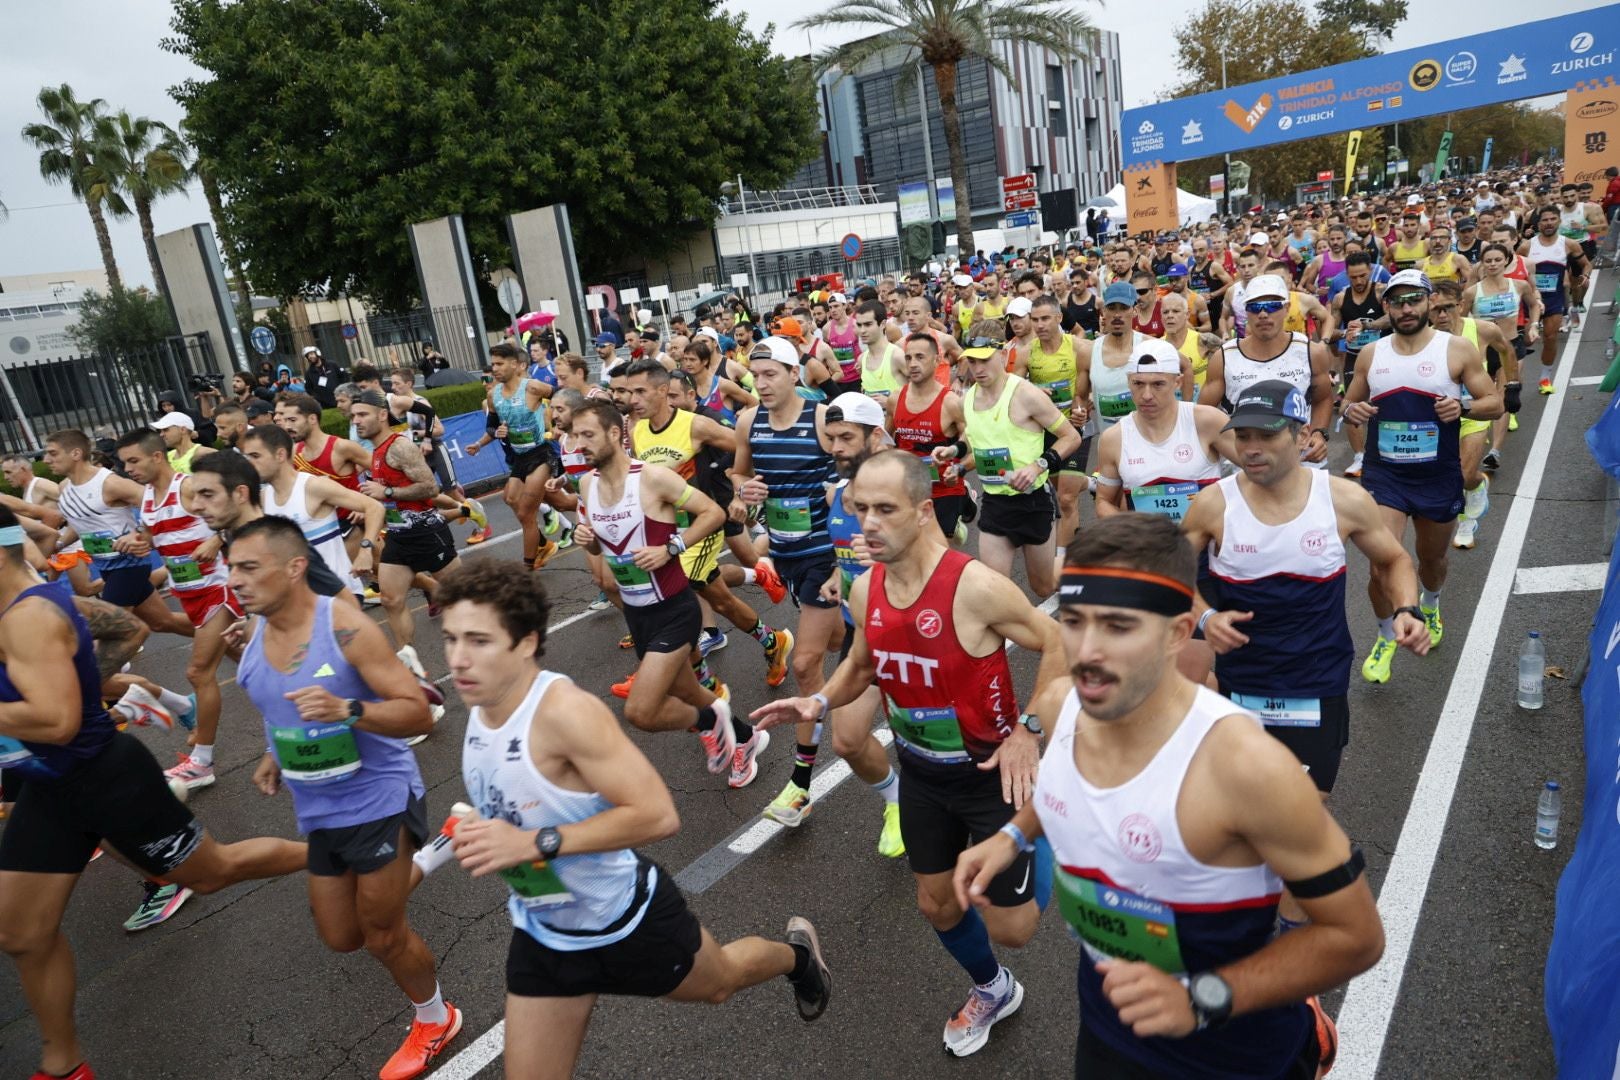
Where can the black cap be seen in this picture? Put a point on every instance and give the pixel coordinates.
(258, 407)
(1467, 223)
(1269, 405)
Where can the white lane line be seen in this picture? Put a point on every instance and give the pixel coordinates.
(1369, 1005)
(1576, 577)
(1586, 380)
(490, 1045)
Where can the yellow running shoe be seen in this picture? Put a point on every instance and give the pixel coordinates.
(778, 658)
(890, 844)
(791, 807)
(1375, 668)
(1513, 421)
(1437, 629)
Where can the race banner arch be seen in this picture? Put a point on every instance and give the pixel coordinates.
(1577, 53)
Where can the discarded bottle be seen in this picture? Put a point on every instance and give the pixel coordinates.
(1532, 671)
(1548, 807)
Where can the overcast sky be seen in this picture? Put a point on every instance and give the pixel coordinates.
(109, 49)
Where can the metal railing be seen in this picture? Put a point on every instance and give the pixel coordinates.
(384, 339)
(817, 198)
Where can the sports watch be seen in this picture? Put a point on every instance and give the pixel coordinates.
(548, 841)
(1211, 998)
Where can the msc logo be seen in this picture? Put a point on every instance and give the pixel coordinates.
(1425, 75)
(1581, 42)
(1596, 142)
(1248, 119)
(1596, 109)
(1461, 67)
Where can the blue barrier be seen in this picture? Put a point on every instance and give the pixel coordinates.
(1583, 965)
(459, 431)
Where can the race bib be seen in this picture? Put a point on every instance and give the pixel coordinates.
(1118, 925)
(1548, 282)
(848, 368)
(1408, 442)
(933, 733)
(183, 571)
(1166, 500)
(537, 885)
(1061, 391)
(994, 463)
(1282, 711)
(787, 519)
(1363, 339)
(1114, 406)
(392, 516)
(99, 544)
(12, 752)
(634, 582)
(525, 437)
(316, 753)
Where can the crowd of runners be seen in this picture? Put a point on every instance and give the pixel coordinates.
(1164, 775)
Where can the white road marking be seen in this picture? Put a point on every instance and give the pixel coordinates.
(1577, 577)
(1369, 1005)
(1586, 380)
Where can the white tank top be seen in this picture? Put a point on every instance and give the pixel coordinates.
(1180, 458)
(587, 901)
(324, 534)
(1426, 372)
(1128, 838)
(1111, 386)
(87, 511)
(1292, 365)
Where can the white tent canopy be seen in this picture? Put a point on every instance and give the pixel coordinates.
(1190, 208)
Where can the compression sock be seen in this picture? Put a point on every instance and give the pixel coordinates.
(705, 677)
(432, 1011)
(889, 787)
(742, 728)
(763, 634)
(1044, 862)
(1386, 628)
(1429, 599)
(176, 705)
(968, 942)
(203, 755)
(705, 719)
(804, 759)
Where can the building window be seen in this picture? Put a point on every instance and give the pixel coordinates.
(1056, 114)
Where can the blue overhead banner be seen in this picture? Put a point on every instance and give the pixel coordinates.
(1529, 60)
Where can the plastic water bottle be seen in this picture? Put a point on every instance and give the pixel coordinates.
(1532, 671)
(1548, 807)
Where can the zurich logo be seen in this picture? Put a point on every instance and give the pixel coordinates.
(1461, 66)
(1580, 43)
(1146, 128)
(1284, 122)
(1111, 898)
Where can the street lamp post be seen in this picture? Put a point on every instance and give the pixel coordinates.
(1238, 8)
(748, 240)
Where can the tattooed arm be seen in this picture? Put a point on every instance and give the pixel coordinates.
(117, 633)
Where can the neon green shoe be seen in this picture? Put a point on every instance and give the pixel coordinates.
(890, 844)
(791, 807)
(1437, 628)
(1376, 667)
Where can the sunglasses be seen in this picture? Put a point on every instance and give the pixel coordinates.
(985, 343)
(1143, 292)
(1412, 299)
(1264, 307)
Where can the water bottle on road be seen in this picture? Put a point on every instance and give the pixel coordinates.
(1532, 671)
(1548, 807)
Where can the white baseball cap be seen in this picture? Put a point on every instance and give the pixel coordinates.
(779, 349)
(1154, 356)
(1411, 277)
(1414, 199)
(709, 332)
(174, 419)
(858, 409)
(1266, 287)
(1259, 239)
(1019, 307)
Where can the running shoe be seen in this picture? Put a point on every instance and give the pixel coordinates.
(189, 773)
(1354, 468)
(434, 610)
(1546, 385)
(544, 555)
(622, 689)
(1327, 1037)
(148, 711)
(712, 643)
(720, 741)
(1376, 667)
(566, 540)
(188, 719)
(1513, 421)
(480, 520)
(792, 806)
(1477, 503)
(960, 534)
(159, 905)
(890, 844)
(745, 759)
(407, 654)
(1466, 528)
(424, 1043)
(1492, 460)
(1437, 628)
(82, 1072)
(1573, 323)
(627, 642)
(550, 520)
(601, 603)
(778, 658)
(969, 1030)
(813, 989)
(766, 577)
(371, 597)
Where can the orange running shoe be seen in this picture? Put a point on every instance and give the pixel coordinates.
(544, 555)
(622, 689)
(421, 1046)
(766, 577)
(1327, 1036)
(778, 658)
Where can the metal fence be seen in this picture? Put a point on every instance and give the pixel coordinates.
(102, 395)
(385, 339)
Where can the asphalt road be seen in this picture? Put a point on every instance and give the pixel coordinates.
(238, 984)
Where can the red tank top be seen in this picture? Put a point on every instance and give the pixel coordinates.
(321, 465)
(388, 476)
(944, 705)
(919, 432)
(1154, 327)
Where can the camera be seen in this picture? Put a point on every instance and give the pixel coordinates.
(206, 383)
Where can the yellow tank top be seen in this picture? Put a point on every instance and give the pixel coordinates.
(1446, 270)
(1195, 356)
(964, 319)
(994, 309)
(1054, 372)
(1408, 255)
(880, 381)
(1295, 322)
(1000, 447)
(672, 447)
(181, 463)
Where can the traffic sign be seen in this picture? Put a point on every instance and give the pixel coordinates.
(510, 294)
(850, 246)
(350, 331)
(264, 340)
(1018, 192)
(1326, 175)
(1021, 219)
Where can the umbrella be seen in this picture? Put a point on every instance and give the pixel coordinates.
(453, 377)
(1102, 201)
(535, 320)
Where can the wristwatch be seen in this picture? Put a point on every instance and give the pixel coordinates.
(388, 493)
(356, 707)
(1211, 998)
(1415, 612)
(367, 544)
(675, 546)
(548, 841)
(1032, 724)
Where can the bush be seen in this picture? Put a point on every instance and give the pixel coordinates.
(447, 401)
(121, 319)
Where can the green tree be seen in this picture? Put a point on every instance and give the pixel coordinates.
(78, 146)
(331, 125)
(121, 319)
(941, 34)
(151, 163)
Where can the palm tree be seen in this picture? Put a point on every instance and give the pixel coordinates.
(151, 163)
(941, 34)
(78, 147)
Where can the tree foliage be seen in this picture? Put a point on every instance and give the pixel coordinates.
(121, 319)
(331, 125)
(78, 146)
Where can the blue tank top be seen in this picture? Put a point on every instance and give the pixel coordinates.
(717, 401)
(47, 761)
(842, 528)
(797, 471)
(381, 774)
(524, 425)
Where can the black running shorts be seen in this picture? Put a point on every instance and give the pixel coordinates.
(1024, 520)
(671, 625)
(945, 809)
(370, 846)
(426, 549)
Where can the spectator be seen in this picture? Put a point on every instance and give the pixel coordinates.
(1611, 197)
(608, 323)
(432, 360)
(320, 378)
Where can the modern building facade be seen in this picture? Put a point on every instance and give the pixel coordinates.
(1060, 123)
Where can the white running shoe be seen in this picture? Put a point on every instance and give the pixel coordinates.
(1354, 468)
(1477, 501)
(407, 655)
(969, 1030)
(1466, 528)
